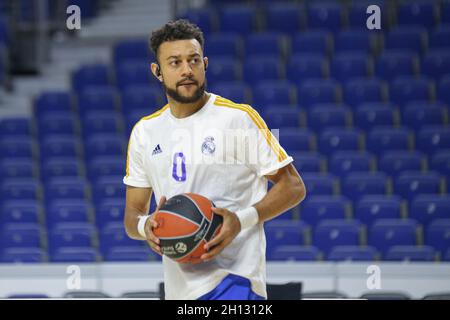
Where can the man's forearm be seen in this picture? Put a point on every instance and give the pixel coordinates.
(131, 224)
(284, 195)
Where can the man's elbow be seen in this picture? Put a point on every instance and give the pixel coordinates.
(299, 190)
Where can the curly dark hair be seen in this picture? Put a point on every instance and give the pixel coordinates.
(175, 30)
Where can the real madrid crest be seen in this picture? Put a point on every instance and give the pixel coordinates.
(208, 146)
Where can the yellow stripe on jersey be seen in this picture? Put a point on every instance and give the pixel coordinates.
(153, 115)
(259, 122)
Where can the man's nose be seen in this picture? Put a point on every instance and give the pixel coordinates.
(187, 69)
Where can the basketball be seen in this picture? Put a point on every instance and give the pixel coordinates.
(185, 224)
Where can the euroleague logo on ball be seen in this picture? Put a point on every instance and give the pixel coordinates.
(180, 247)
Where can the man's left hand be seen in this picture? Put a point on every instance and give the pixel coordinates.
(231, 226)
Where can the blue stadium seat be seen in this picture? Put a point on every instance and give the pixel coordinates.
(319, 184)
(58, 122)
(421, 113)
(99, 167)
(60, 167)
(385, 233)
(295, 139)
(272, 92)
(104, 145)
(17, 168)
(438, 235)
(439, 37)
(382, 139)
(16, 146)
(133, 49)
(91, 75)
(140, 97)
(405, 38)
(416, 13)
(358, 184)
(405, 89)
(345, 66)
(264, 43)
(409, 184)
(446, 255)
(445, 13)
(20, 188)
(66, 188)
(372, 207)
(74, 254)
(322, 117)
(282, 117)
(325, 16)
(223, 69)
(134, 72)
(312, 41)
(358, 91)
(294, 253)
(307, 161)
(284, 17)
(319, 207)
(68, 210)
(238, 19)
(353, 40)
(440, 161)
(395, 63)
(98, 98)
(301, 67)
(394, 162)
(344, 162)
(370, 115)
(336, 232)
(95, 122)
(352, 253)
(427, 207)
(23, 255)
(436, 63)
(433, 138)
(59, 146)
(338, 139)
(410, 253)
(53, 101)
(204, 18)
(20, 211)
(221, 44)
(108, 187)
(109, 210)
(262, 68)
(71, 235)
(286, 232)
(133, 253)
(236, 91)
(113, 235)
(15, 126)
(314, 91)
(21, 235)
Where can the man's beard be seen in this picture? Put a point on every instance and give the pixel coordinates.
(173, 93)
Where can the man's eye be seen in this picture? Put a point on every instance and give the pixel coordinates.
(174, 63)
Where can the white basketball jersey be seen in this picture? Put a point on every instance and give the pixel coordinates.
(214, 153)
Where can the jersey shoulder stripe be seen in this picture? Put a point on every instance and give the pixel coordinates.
(153, 115)
(258, 121)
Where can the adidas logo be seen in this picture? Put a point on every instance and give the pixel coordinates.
(156, 150)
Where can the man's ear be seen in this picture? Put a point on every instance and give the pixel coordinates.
(156, 70)
(205, 62)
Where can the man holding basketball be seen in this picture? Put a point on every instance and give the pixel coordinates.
(181, 148)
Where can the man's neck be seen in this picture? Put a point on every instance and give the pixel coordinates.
(183, 110)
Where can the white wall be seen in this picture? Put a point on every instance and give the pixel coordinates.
(417, 279)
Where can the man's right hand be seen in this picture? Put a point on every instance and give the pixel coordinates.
(152, 240)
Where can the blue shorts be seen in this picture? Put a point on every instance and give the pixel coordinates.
(232, 287)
